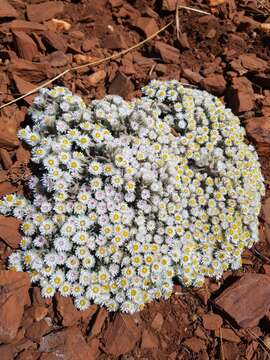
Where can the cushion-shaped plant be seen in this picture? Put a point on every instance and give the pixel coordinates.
(128, 195)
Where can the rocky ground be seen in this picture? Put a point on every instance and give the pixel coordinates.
(225, 53)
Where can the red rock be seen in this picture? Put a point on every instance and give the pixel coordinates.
(266, 210)
(114, 42)
(266, 269)
(258, 129)
(157, 322)
(24, 344)
(237, 66)
(228, 334)
(65, 344)
(8, 131)
(129, 11)
(39, 312)
(99, 322)
(211, 33)
(96, 77)
(7, 188)
(9, 231)
(38, 300)
(59, 25)
(116, 3)
(67, 312)
(230, 351)
(13, 296)
(26, 47)
(200, 334)
(215, 84)
(7, 352)
(143, 62)
(58, 58)
(121, 336)
(121, 85)
(24, 25)
(183, 40)
(44, 11)
(195, 344)
(53, 40)
(169, 5)
(252, 63)
(212, 321)
(241, 95)
(7, 11)
(24, 87)
(192, 76)
(40, 44)
(94, 348)
(216, 2)
(77, 34)
(127, 67)
(89, 44)
(37, 330)
(28, 71)
(6, 158)
(250, 350)
(28, 355)
(204, 292)
(266, 104)
(266, 27)
(167, 52)
(238, 300)
(148, 25)
(34, 313)
(149, 340)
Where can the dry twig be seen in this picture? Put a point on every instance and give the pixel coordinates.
(221, 345)
(94, 63)
(263, 345)
(111, 57)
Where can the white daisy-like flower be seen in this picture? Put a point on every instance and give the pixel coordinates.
(48, 290)
(82, 303)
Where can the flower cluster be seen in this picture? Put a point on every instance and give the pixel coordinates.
(120, 205)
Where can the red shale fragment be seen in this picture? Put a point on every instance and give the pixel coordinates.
(122, 335)
(13, 296)
(44, 11)
(7, 11)
(212, 321)
(67, 312)
(239, 303)
(25, 45)
(147, 25)
(9, 231)
(65, 344)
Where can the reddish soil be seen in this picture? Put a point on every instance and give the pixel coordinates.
(225, 53)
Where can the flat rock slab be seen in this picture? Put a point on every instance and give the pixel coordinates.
(9, 231)
(7, 11)
(122, 336)
(247, 300)
(66, 344)
(44, 11)
(68, 314)
(13, 296)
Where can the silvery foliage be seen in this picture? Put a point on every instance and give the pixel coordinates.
(121, 204)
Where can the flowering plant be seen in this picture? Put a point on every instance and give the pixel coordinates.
(120, 204)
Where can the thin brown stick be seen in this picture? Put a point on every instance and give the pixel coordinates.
(177, 22)
(261, 255)
(221, 345)
(263, 345)
(95, 63)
